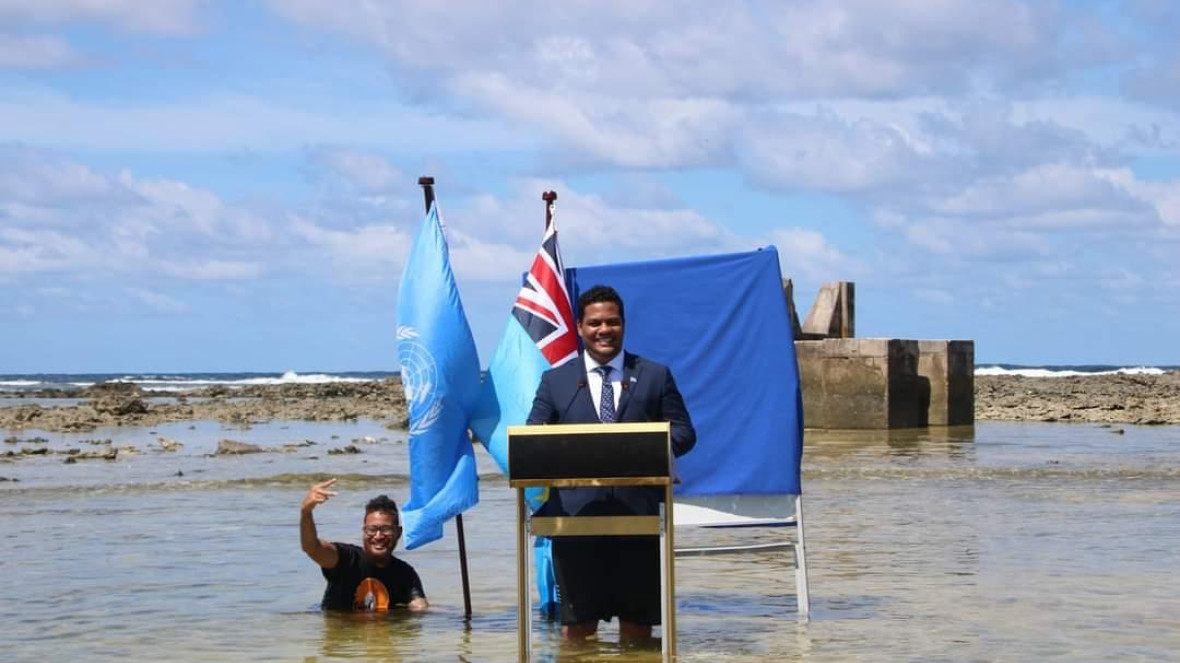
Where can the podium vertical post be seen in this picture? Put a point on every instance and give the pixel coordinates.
(523, 595)
(589, 456)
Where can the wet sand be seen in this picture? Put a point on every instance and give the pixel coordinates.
(1108, 399)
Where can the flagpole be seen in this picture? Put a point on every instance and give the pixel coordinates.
(427, 184)
(549, 197)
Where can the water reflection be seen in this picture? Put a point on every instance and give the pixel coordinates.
(371, 636)
(954, 443)
(550, 647)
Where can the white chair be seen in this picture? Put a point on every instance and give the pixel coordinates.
(733, 513)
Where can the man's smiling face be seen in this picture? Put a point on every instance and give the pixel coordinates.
(601, 328)
(381, 532)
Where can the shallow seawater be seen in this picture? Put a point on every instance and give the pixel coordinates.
(1006, 542)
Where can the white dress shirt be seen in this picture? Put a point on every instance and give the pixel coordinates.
(594, 379)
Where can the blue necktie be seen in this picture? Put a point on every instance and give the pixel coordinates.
(606, 404)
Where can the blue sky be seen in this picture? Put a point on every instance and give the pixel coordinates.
(191, 185)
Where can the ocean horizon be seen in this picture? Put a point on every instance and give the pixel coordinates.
(182, 381)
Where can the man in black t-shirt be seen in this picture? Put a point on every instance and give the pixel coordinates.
(362, 578)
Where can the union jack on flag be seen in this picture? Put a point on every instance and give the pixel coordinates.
(543, 303)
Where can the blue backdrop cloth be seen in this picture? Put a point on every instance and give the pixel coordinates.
(721, 324)
(440, 374)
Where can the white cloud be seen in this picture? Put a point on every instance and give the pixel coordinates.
(41, 178)
(1156, 82)
(967, 241)
(935, 295)
(367, 253)
(1121, 279)
(367, 171)
(807, 255)
(213, 270)
(814, 47)
(158, 302)
(494, 239)
(1107, 121)
(220, 122)
(166, 17)
(180, 206)
(36, 52)
(10, 310)
(476, 260)
(62, 216)
(1164, 197)
(591, 228)
(827, 153)
(1044, 189)
(42, 251)
(648, 133)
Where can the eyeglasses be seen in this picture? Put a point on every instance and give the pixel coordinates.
(374, 530)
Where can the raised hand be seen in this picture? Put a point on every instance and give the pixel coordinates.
(318, 494)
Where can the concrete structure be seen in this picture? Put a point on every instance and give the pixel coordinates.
(862, 383)
(833, 315)
(877, 382)
(949, 369)
(886, 383)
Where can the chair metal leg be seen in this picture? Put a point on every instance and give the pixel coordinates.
(803, 595)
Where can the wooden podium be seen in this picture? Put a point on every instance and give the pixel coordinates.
(586, 456)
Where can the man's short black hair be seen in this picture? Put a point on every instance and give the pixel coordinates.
(383, 504)
(597, 295)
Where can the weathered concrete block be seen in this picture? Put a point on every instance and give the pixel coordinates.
(949, 368)
(862, 383)
(822, 319)
(834, 313)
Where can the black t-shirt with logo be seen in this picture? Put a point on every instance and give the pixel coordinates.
(356, 584)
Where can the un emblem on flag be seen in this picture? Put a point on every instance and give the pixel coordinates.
(419, 380)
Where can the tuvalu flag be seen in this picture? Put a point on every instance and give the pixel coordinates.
(539, 335)
(440, 375)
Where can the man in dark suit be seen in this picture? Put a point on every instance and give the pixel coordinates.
(599, 578)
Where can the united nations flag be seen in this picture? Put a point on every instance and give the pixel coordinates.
(440, 375)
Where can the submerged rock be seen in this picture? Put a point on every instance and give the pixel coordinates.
(119, 399)
(1100, 399)
(75, 455)
(231, 447)
(125, 404)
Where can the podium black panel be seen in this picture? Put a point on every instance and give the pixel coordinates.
(588, 452)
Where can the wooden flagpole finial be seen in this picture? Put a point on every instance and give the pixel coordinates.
(427, 184)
